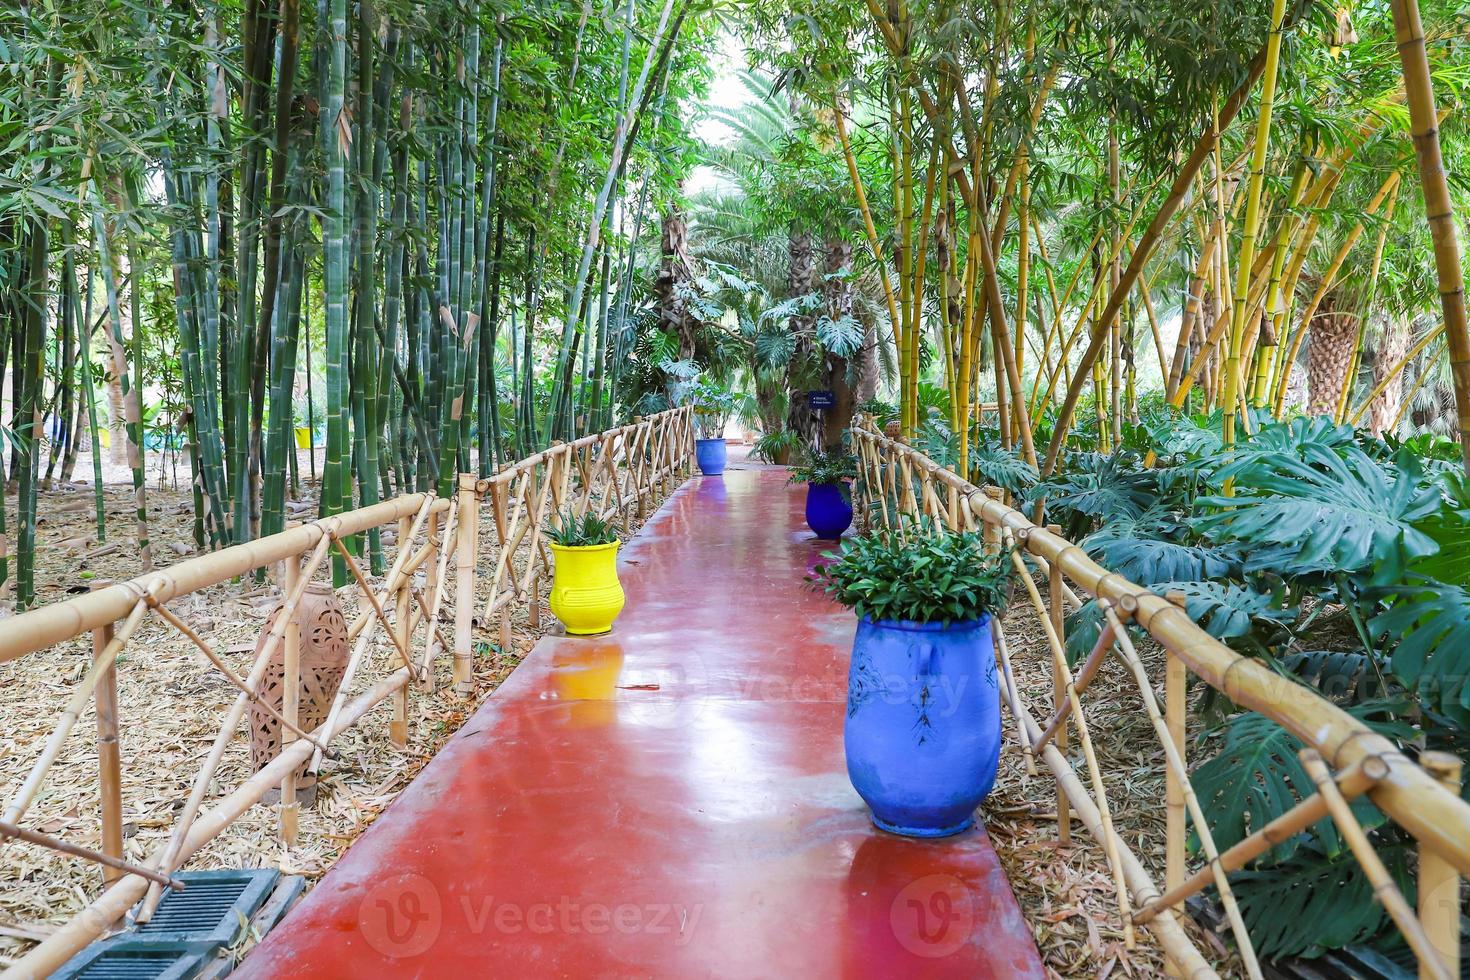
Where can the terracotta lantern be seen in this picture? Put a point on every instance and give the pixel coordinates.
(323, 662)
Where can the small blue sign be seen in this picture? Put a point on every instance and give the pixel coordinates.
(820, 399)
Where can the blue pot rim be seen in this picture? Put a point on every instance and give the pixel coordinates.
(913, 626)
(720, 441)
(840, 483)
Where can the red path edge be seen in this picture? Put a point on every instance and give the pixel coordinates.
(669, 800)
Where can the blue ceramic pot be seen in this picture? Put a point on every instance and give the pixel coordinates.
(923, 723)
(828, 509)
(711, 454)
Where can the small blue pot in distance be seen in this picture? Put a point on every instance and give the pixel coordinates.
(711, 454)
(828, 509)
(923, 723)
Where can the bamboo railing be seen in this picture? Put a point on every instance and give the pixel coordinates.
(1345, 759)
(396, 631)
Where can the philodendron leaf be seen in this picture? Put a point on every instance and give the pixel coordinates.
(1346, 509)
(1224, 610)
(1309, 904)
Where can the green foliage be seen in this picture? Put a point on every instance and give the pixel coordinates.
(778, 445)
(923, 575)
(1327, 509)
(838, 467)
(572, 531)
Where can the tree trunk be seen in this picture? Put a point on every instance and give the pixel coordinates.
(116, 421)
(803, 371)
(1329, 355)
(1392, 346)
(671, 285)
(838, 293)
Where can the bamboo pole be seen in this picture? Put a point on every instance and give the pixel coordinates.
(1352, 782)
(114, 903)
(1439, 883)
(109, 756)
(1176, 709)
(403, 624)
(1419, 89)
(468, 502)
(56, 623)
(1109, 836)
(290, 815)
(111, 863)
(1383, 886)
(1180, 776)
(78, 700)
(1166, 928)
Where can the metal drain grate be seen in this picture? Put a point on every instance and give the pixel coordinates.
(125, 958)
(212, 909)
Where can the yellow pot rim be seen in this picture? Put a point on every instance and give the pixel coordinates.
(586, 547)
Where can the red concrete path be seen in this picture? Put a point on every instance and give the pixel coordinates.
(667, 801)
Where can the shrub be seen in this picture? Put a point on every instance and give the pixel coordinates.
(925, 575)
(581, 532)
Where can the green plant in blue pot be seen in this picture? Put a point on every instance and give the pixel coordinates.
(828, 476)
(713, 406)
(922, 733)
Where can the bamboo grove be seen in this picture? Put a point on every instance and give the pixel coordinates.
(427, 208)
(1075, 211)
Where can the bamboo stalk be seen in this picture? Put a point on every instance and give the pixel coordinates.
(1384, 888)
(1352, 782)
(109, 755)
(109, 861)
(1439, 883)
(115, 902)
(1180, 773)
(1109, 837)
(1393, 372)
(1438, 206)
(290, 813)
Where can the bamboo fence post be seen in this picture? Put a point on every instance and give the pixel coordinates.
(32, 785)
(1175, 711)
(468, 502)
(1384, 888)
(403, 627)
(1109, 840)
(435, 545)
(1028, 748)
(635, 465)
(1175, 766)
(109, 755)
(1059, 698)
(1439, 882)
(1352, 782)
(290, 816)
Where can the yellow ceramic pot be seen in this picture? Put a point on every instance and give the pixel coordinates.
(585, 593)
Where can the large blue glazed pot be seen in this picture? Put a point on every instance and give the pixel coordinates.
(828, 509)
(711, 454)
(923, 723)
